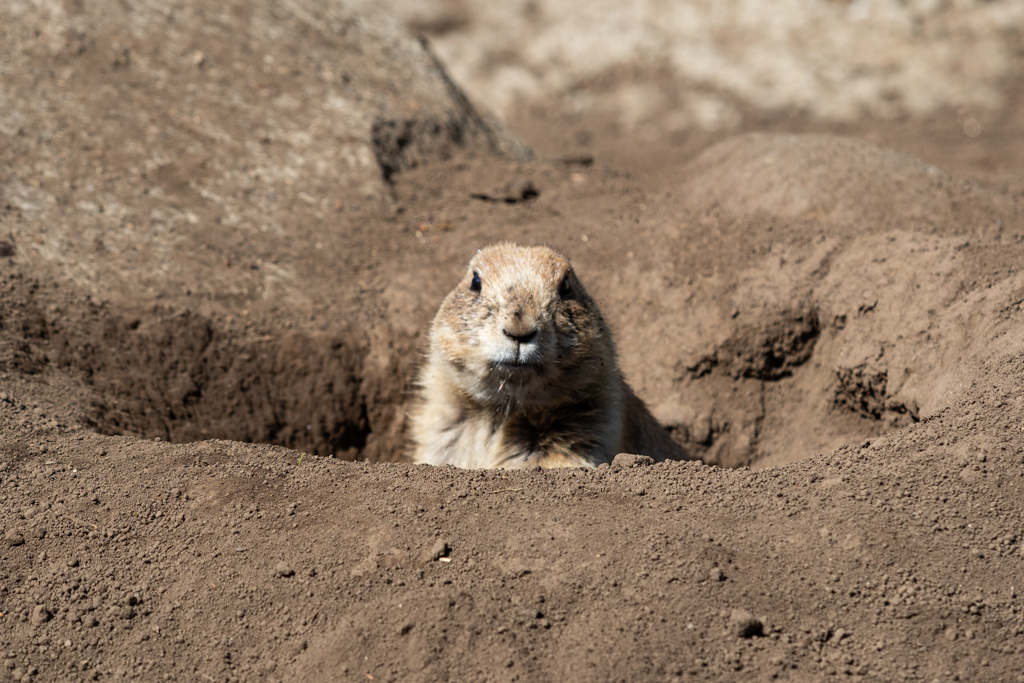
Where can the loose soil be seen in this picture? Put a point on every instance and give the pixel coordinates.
(202, 445)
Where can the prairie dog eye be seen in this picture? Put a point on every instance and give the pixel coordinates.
(565, 290)
(474, 286)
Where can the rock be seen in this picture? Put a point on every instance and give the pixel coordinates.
(14, 538)
(716, 575)
(439, 549)
(357, 98)
(40, 615)
(282, 568)
(743, 624)
(626, 460)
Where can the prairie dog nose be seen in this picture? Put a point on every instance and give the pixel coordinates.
(521, 322)
(520, 336)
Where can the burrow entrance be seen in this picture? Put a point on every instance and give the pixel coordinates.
(182, 377)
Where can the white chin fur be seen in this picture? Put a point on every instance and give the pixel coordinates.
(508, 385)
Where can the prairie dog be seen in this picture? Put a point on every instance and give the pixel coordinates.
(522, 372)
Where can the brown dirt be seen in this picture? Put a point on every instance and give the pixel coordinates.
(836, 323)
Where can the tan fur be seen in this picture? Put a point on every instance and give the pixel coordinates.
(523, 372)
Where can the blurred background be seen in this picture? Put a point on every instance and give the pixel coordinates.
(935, 77)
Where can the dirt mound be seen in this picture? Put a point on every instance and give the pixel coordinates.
(760, 347)
(890, 284)
(825, 178)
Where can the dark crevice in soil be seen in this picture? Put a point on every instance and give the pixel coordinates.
(767, 350)
(862, 390)
(179, 378)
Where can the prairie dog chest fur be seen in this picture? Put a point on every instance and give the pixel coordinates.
(521, 371)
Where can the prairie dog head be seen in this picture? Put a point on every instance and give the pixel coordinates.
(520, 332)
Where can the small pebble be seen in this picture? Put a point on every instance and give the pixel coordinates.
(14, 538)
(631, 460)
(439, 549)
(40, 615)
(743, 624)
(717, 574)
(282, 568)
